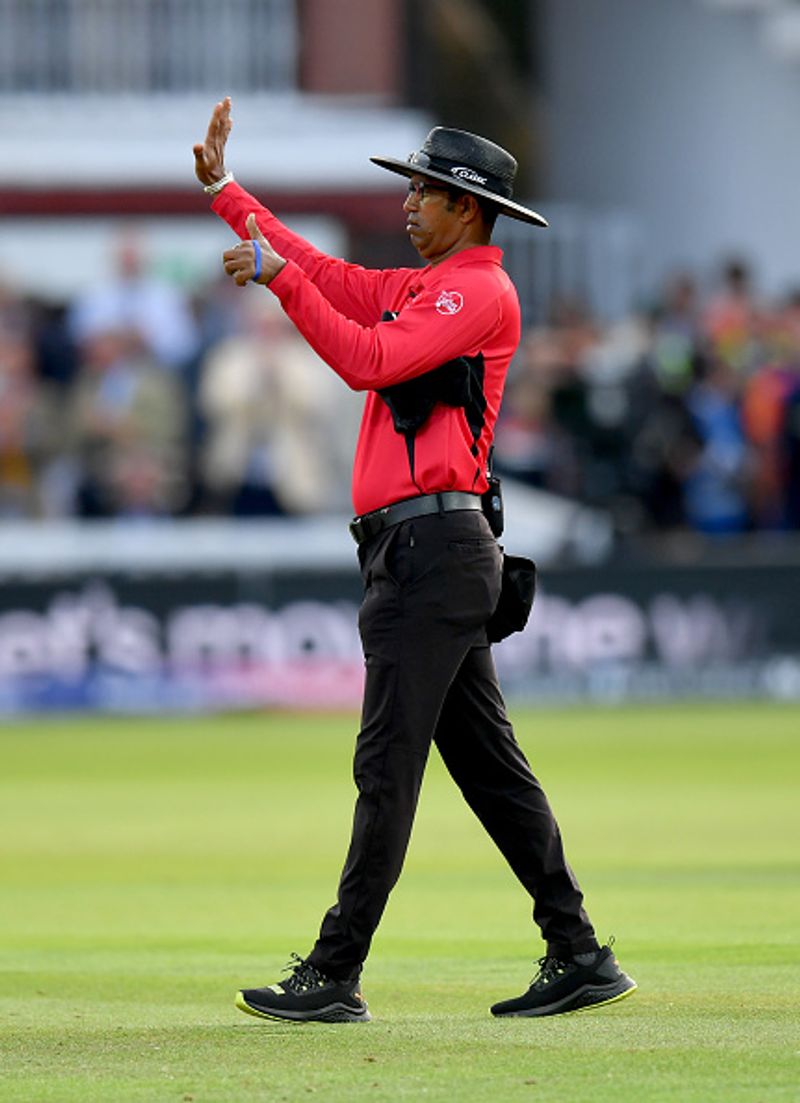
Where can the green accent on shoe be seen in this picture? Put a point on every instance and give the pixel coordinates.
(306, 996)
(562, 987)
(243, 1005)
(604, 1003)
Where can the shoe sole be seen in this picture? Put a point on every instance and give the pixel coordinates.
(334, 1013)
(587, 999)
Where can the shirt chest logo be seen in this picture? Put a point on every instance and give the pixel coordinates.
(449, 302)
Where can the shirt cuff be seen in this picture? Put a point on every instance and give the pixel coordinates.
(286, 279)
(233, 199)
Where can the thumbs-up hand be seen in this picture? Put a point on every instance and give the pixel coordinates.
(254, 260)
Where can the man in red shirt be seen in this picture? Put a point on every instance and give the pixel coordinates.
(431, 347)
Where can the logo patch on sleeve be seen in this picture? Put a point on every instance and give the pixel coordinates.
(449, 302)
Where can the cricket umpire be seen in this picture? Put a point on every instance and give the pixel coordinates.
(431, 347)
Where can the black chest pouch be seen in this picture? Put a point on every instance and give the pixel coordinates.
(456, 383)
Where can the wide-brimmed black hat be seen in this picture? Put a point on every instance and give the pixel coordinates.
(470, 163)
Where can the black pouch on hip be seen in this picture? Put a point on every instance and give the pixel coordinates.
(516, 598)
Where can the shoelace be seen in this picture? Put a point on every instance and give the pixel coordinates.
(304, 976)
(550, 969)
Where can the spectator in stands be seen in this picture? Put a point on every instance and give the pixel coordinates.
(791, 445)
(616, 371)
(664, 450)
(715, 487)
(272, 443)
(676, 341)
(530, 443)
(29, 428)
(158, 313)
(56, 354)
(770, 422)
(128, 423)
(732, 320)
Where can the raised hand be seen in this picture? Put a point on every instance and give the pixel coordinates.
(209, 156)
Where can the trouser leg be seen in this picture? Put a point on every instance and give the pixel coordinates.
(388, 770)
(478, 747)
(427, 597)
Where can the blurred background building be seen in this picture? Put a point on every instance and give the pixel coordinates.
(652, 414)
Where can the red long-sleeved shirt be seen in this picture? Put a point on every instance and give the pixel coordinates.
(461, 307)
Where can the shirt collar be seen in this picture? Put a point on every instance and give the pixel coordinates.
(476, 254)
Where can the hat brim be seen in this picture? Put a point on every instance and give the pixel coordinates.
(504, 206)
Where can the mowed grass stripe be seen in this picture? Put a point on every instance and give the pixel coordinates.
(152, 867)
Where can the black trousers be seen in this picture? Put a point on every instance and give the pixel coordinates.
(430, 586)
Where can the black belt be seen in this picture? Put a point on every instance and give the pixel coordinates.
(370, 524)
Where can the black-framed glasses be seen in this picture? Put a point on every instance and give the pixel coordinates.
(420, 188)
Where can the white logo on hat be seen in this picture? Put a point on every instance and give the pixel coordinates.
(464, 173)
(450, 302)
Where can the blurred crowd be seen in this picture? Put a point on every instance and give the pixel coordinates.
(684, 416)
(138, 400)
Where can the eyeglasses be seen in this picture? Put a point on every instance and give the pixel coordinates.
(420, 188)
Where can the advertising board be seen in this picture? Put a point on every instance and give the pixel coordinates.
(197, 640)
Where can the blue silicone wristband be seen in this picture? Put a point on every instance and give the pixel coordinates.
(257, 250)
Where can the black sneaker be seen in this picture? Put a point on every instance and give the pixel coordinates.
(307, 996)
(561, 986)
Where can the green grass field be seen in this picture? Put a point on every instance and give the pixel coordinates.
(149, 868)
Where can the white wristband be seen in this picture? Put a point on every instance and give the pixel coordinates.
(212, 189)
